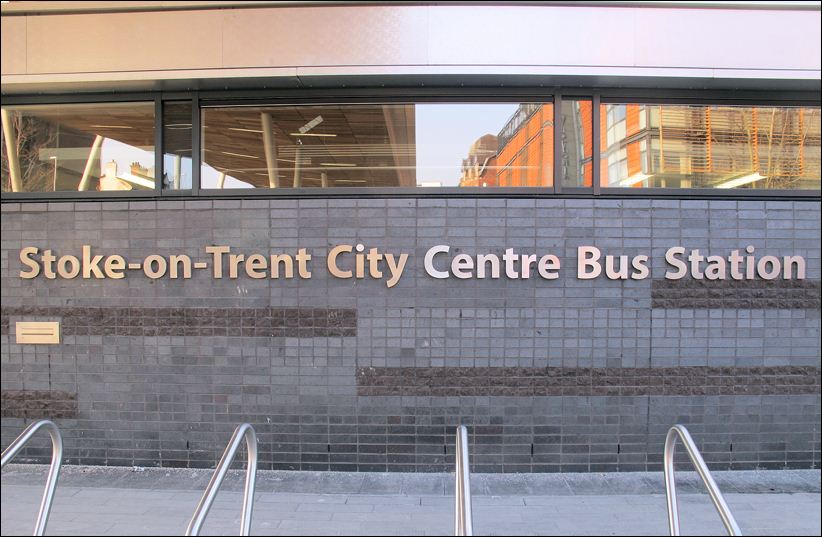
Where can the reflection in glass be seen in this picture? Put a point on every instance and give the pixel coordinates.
(577, 143)
(79, 147)
(177, 145)
(691, 146)
(396, 145)
(526, 147)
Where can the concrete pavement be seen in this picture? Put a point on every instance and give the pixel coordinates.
(121, 501)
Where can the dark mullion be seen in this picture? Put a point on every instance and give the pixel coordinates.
(595, 141)
(158, 145)
(557, 143)
(195, 144)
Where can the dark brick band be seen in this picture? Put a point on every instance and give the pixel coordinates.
(38, 404)
(584, 381)
(241, 322)
(736, 294)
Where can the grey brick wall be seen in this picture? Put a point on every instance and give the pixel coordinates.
(564, 375)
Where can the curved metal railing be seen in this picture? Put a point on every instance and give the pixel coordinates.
(670, 481)
(244, 431)
(54, 470)
(463, 517)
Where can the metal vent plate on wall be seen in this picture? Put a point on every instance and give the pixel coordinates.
(38, 333)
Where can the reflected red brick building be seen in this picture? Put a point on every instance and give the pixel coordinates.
(670, 146)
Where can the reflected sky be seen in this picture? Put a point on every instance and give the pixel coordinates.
(445, 132)
(124, 155)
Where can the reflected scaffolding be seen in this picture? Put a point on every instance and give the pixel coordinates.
(694, 146)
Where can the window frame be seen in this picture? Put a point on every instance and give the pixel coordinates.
(195, 150)
(554, 95)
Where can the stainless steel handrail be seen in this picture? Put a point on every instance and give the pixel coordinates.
(463, 517)
(54, 470)
(244, 431)
(670, 481)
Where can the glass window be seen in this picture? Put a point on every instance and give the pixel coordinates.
(577, 143)
(697, 146)
(78, 147)
(378, 145)
(177, 145)
(99, 147)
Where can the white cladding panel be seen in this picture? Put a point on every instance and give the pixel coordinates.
(113, 49)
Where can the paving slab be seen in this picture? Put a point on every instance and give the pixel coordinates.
(129, 501)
